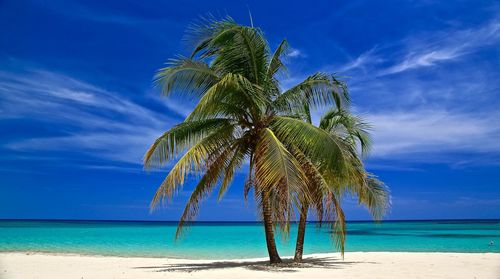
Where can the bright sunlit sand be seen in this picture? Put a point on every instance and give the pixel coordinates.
(355, 265)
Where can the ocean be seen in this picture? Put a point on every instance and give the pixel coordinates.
(229, 240)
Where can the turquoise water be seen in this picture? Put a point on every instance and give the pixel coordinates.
(240, 240)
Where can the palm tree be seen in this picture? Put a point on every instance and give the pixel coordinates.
(370, 191)
(240, 116)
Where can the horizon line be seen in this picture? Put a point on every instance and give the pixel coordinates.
(236, 221)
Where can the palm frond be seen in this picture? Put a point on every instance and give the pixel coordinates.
(215, 172)
(250, 180)
(245, 52)
(275, 164)
(185, 76)
(236, 49)
(179, 138)
(276, 64)
(316, 184)
(375, 196)
(351, 127)
(279, 176)
(339, 231)
(326, 151)
(232, 89)
(240, 151)
(201, 33)
(193, 160)
(318, 90)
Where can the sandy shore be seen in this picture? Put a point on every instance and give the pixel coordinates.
(355, 265)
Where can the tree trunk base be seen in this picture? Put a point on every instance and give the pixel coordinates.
(275, 261)
(297, 259)
(274, 257)
(301, 231)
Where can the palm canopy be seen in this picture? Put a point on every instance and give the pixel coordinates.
(242, 114)
(370, 191)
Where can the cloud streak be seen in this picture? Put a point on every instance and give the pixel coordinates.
(423, 51)
(445, 47)
(426, 51)
(295, 53)
(99, 123)
(433, 132)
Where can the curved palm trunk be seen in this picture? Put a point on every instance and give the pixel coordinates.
(299, 247)
(268, 227)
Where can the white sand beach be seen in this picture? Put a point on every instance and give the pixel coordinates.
(355, 265)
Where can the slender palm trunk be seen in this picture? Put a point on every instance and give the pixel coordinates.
(268, 226)
(299, 247)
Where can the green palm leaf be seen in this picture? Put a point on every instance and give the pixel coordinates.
(179, 138)
(327, 151)
(215, 172)
(186, 76)
(318, 90)
(375, 195)
(232, 89)
(275, 165)
(193, 160)
(276, 64)
(351, 127)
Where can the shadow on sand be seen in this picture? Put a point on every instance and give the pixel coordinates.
(259, 265)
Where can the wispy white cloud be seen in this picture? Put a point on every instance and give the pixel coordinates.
(445, 46)
(421, 51)
(98, 122)
(181, 108)
(366, 58)
(430, 133)
(424, 59)
(294, 53)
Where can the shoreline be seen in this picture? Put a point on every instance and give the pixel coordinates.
(45, 253)
(325, 265)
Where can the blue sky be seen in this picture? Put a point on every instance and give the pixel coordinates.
(77, 108)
